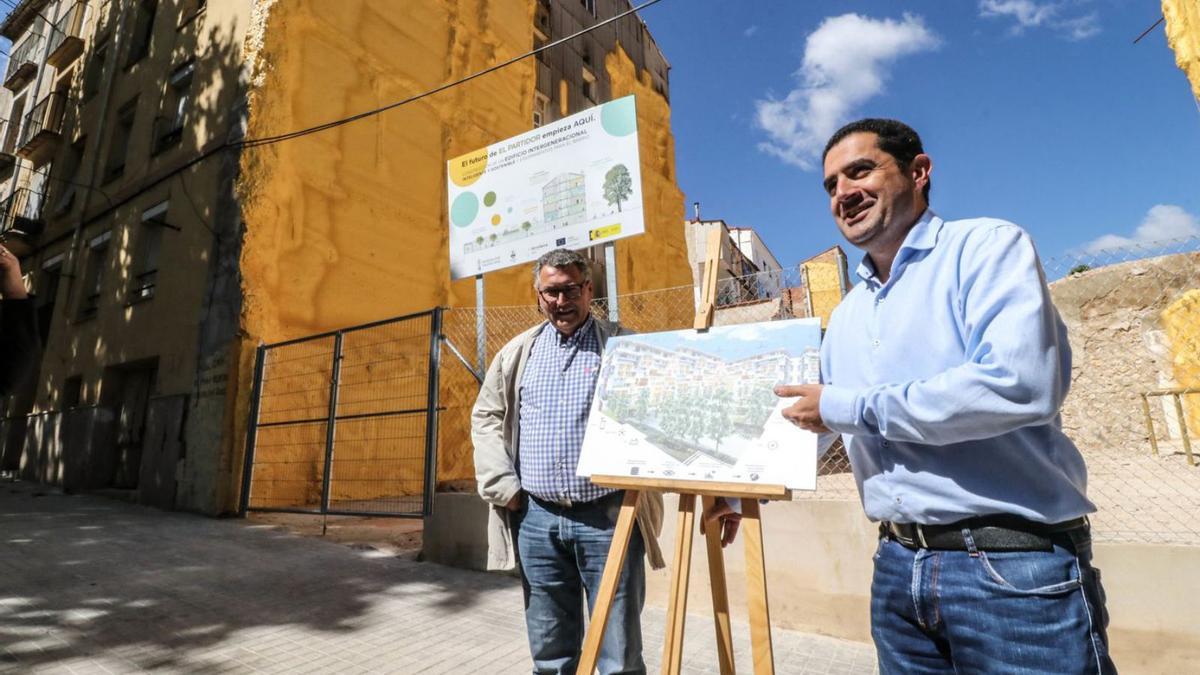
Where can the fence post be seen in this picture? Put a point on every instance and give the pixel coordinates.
(1183, 430)
(480, 326)
(331, 423)
(1149, 424)
(260, 357)
(431, 410)
(610, 279)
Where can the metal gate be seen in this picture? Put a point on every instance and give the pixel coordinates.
(345, 422)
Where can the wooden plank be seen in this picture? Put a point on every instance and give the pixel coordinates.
(608, 584)
(720, 592)
(708, 284)
(756, 590)
(672, 659)
(703, 488)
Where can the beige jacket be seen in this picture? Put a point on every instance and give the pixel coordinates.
(495, 434)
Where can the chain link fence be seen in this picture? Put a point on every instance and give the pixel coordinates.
(1133, 315)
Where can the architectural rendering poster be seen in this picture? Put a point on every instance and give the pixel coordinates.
(687, 405)
(569, 184)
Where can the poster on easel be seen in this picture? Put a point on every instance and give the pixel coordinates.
(688, 405)
(570, 183)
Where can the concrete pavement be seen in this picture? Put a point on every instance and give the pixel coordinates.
(92, 585)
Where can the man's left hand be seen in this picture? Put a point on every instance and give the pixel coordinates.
(805, 413)
(721, 515)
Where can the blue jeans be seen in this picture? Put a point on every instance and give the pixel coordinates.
(562, 552)
(990, 612)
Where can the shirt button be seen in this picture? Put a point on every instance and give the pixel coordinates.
(886, 444)
(875, 343)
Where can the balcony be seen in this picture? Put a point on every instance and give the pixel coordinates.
(8, 140)
(22, 63)
(42, 132)
(21, 221)
(66, 40)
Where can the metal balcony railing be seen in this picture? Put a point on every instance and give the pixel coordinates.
(8, 137)
(45, 117)
(21, 214)
(66, 39)
(23, 56)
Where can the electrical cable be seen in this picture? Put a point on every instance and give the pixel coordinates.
(267, 140)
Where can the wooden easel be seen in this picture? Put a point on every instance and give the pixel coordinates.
(756, 573)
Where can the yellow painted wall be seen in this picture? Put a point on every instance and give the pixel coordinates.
(349, 225)
(1182, 322)
(824, 276)
(1183, 34)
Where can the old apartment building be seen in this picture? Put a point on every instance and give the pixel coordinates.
(162, 248)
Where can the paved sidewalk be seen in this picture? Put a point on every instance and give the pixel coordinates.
(94, 585)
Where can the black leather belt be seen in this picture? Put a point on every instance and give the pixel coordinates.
(989, 533)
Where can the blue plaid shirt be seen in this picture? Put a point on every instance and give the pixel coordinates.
(556, 395)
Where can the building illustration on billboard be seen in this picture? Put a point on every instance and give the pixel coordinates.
(564, 200)
(700, 405)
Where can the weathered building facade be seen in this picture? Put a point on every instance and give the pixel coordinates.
(165, 249)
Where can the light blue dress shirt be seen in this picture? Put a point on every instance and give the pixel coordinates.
(946, 381)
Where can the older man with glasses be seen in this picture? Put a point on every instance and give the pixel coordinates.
(527, 427)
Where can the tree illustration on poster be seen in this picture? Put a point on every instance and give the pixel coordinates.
(617, 185)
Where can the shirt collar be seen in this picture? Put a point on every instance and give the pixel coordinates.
(922, 237)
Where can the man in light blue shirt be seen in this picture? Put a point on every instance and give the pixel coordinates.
(944, 370)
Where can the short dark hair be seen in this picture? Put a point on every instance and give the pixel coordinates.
(891, 136)
(560, 258)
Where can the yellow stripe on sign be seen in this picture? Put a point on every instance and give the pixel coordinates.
(604, 232)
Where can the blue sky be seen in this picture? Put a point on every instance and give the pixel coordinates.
(1041, 113)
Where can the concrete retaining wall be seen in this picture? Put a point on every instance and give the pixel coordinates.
(819, 577)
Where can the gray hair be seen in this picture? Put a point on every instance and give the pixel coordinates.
(559, 258)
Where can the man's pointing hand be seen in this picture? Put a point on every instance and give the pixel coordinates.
(806, 412)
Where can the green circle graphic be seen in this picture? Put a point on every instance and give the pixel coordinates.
(619, 118)
(489, 199)
(464, 209)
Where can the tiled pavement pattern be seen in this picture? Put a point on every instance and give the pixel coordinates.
(90, 585)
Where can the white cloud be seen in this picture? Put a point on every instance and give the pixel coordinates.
(1162, 223)
(1030, 14)
(847, 60)
(750, 31)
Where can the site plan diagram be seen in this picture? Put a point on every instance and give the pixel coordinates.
(693, 405)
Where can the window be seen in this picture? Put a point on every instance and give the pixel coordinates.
(589, 5)
(589, 85)
(145, 270)
(93, 277)
(47, 294)
(118, 144)
(68, 177)
(540, 105)
(143, 30)
(94, 71)
(72, 392)
(168, 126)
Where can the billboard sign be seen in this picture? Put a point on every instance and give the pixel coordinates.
(571, 183)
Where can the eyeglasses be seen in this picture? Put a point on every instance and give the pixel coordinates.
(570, 292)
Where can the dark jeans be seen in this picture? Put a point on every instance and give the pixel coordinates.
(990, 612)
(563, 551)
